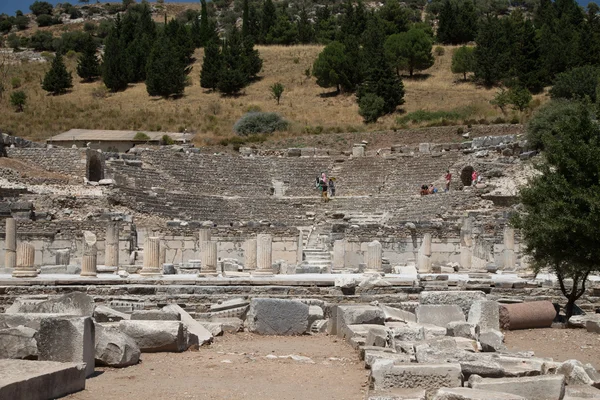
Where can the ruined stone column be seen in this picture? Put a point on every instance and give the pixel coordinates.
(10, 244)
(373, 257)
(151, 257)
(300, 250)
(250, 255)
(90, 255)
(111, 245)
(25, 261)
(508, 255)
(203, 235)
(208, 258)
(466, 244)
(424, 261)
(63, 257)
(264, 255)
(339, 254)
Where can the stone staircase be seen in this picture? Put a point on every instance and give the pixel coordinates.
(316, 261)
(363, 218)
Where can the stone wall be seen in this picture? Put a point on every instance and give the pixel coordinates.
(56, 159)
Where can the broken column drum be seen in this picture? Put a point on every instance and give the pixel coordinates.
(10, 244)
(208, 258)
(264, 249)
(509, 259)
(25, 261)
(529, 315)
(250, 255)
(424, 261)
(466, 244)
(373, 257)
(151, 257)
(111, 245)
(90, 255)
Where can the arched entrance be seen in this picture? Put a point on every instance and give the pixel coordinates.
(95, 170)
(465, 175)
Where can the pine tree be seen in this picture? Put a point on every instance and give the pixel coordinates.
(246, 20)
(492, 52)
(166, 72)
(269, 18)
(115, 70)
(252, 63)
(306, 33)
(88, 64)
(205, 25)
(57, 79)
(211, 66)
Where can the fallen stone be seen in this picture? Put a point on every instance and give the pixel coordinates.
(29, 320)
(107, 314)
(156, 336)
(396, 314)
(492, 341)
(314, 313)
(575, 373)
(462, 298)
(230, 325)
(581, 392)
(398, 394)
(114, 348)
(462, 329)
(486, 314)
(75, 303)
(549, 387)
(358, 331)
(198, 335)
(229, 304)
(593, 326)
(67, 339)
(439, 315)
(515, 366)
(406, 333)
(473, 394)
(363, 349)
(155, 315)
(277, 317)
(215, 328)
(373, 355)
(18, 342)
(360, 314)
(39, 380)
(529, 315)
(385, 374)
(377, 336)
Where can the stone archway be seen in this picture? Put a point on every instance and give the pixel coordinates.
(465, 175)
(95, 167)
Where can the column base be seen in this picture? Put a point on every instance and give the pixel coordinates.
(32, 273)
(150, 272)
(263, 272)
(208, 274)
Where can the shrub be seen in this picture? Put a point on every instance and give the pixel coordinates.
(547, 118)
(15, 83)
(426, 116)
(276, 91)
(259, 122)
(439, 51)
(141, 136)
(371, 107)
(577, 83)
(89, 27)
(167, 140)
(45, 20)
(71, 54)
(18, 99)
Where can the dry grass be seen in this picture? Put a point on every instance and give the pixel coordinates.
(212, 116)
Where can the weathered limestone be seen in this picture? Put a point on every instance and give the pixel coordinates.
(532, 388)
(63, 257)
(300, 248)
(535, 314)
(67, 339)
(199, 334)
(373, 257)
(113, 348)
(424, 257)
(473, 394)
(152, 265)
(18, 342)
(90, 254)
(107, 314)
(277, 317)
(39, 380)
(10, 244)
(508, 254)
(356, 314)
(439, 315)
(486, 314)
(75, 303)
(156, 336)
(208, 257)
(155, 315)
(385, 375)
(204, 235)
(339, 254)
(111, 245)
(264, 254)
(491, 340)
(250, 255)
(463, 298)
(25, 261)
(466, 244)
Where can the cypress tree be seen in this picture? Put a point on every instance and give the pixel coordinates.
(306, 33)
(205, 26)
(57, 79)
(492, 52)
(196, 32)
(252, 63)
(166, 72)
(115, 71)
(269, 18)
(88, 65)
(246, 20)
(211, 66)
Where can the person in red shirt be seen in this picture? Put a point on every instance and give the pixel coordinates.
(448, 179)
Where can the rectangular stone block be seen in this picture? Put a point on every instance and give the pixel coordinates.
(68, 339)
(155, 315)
(359, 314)
(39, 380)
(277, 317)
(439, 315)
(549, 387)
(486, 314)
(463, 298)
(385, 375)
(156, 336)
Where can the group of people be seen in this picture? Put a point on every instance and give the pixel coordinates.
(325, 185)
(430, 189)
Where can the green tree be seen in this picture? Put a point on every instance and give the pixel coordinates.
(205, 25)
(492, 52)
(501, 100)
(519, 97)
(306, 32)
(18, 100)
(88, 64)
(251, 63)
(246, 19)
(561, 206)
(395, 17)
(331, 66)
(22, 22)
(578, 83)
(276, 91)
(547, 118)
(457, 22)
(409, 51)
(463, 61)
(57, 80)
(41, 7)
(269, 18)
(115, 68)
(371, 107)
(166, 71)
(211, 66)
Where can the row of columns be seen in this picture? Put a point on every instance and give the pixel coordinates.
(509, 258)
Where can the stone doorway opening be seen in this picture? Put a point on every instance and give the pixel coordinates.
(95, 167)
(465, 175)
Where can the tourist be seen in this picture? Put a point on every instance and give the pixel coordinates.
(448, 178)
(474, 178)
(324, 187)
(424, 190)
(432, 189)
(332, 186)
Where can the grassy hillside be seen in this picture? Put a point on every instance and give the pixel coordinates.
(309, 108)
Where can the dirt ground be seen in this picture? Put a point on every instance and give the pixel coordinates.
(236, 367)
(560, 344)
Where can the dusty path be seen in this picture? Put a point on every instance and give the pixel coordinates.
(560, 344)
(236, 367)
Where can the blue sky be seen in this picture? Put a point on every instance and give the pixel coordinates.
(10, 6)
